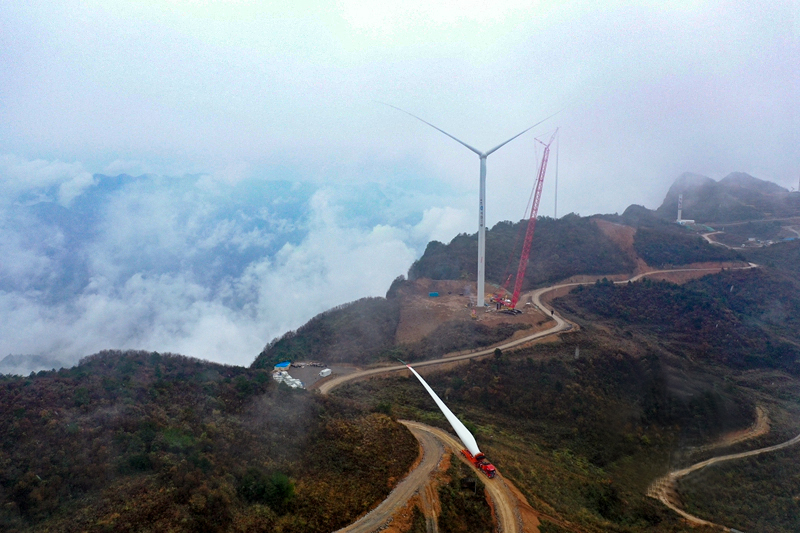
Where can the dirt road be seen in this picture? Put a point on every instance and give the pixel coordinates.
(664, 488)
(432, 440)
(504, 502)
(759, 427)
(709, 240)
(560, 325)
(337, 381)
(793, 229)
(432, 452)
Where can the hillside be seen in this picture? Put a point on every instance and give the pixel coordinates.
(766, 298)
(138, 441)
(736, 197)
(667, 245)
(581, 423)
(660, 368)
(581, 438)
(403, 325)
(783, 256)
(699, 319)
(357, 332)
(374, 330)
(561, 248)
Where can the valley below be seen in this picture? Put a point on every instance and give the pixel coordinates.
(651, 383)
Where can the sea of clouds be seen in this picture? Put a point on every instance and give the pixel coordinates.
(201, 265)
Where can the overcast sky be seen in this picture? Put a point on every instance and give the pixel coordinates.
(649, 90)
(235, 91)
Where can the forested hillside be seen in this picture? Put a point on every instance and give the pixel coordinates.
(363, 332)
(582, 423)
(764, 297)
(138, 441)
(581, 437)
(585, 422)
(561, 248)
(690, 320)
(356, 332)
(669, 245)
(756, 493)
(784, 256)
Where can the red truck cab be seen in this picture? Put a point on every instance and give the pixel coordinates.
(480, 462)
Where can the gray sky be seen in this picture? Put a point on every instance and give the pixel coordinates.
(649, 90)
(239, 92)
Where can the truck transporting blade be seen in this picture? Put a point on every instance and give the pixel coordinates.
(472, 452)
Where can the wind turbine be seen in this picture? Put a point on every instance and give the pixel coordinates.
(482, 199)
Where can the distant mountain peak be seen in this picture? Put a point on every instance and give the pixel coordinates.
(738, 196)
(746, 181)
(689, 180)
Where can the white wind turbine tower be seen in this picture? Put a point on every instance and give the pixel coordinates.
(482, 200)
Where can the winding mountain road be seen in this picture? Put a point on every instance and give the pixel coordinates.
(432, 452)
(327, 386)
(504, 502)
(433, 440)
(664, 488)
(709, 240)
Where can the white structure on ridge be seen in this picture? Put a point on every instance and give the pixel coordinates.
(482, 197)
(682, 221)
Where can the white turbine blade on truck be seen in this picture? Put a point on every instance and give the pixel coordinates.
(461, 430)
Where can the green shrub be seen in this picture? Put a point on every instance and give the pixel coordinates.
(275, 490)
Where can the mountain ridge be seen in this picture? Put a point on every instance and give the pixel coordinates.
(736, 197)
(581, 423)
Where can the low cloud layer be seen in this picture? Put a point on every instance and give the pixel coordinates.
(196, 265)
(648, 90)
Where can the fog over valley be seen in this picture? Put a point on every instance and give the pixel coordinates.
(201, 178)
(354, 266)
(193, 265)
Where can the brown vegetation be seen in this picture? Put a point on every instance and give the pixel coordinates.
(568, 432)
(140, 441)
(689, 321)
(565, 247)
(150, 442)
(367, 331)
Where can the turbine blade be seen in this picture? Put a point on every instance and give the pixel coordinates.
(520, 133)
(480, 154)
(458, 426)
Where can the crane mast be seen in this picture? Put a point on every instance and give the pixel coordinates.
(526, 246)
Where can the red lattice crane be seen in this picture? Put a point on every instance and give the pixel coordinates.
(526, 245)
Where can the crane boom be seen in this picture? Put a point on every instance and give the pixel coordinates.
(526, 246)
